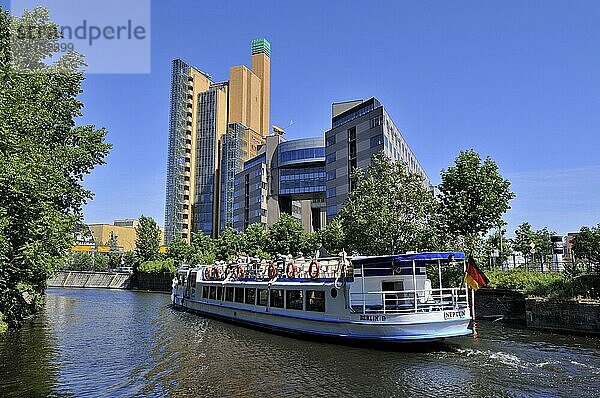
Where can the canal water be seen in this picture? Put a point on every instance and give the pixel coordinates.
(90, 342)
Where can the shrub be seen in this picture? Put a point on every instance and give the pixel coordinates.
(158, 267)
(547, 284)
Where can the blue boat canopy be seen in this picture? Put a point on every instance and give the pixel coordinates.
(409, 258)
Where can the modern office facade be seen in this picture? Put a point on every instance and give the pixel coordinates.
(214, 127)
(359, 130)
(285, 177)
(310, 178)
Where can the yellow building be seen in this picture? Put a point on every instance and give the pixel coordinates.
(122, 230)
(214, 127)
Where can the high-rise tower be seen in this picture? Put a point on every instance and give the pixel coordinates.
(214, 127)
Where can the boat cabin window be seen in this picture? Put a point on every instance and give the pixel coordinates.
(205, 292)
(239, 294)
(277, 298)
(229, 293)
(393, 298)
(315, 300)
(212, 293)
(250, 296)
(192, 280)
(294, 299)
(219, 293)
(263, 297)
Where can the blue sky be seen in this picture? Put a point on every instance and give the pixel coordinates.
(518, 81)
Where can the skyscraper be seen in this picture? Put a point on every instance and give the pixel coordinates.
(214, 127)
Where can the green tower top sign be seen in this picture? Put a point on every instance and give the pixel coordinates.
(261, 46)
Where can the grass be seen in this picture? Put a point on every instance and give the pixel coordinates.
(542, 284)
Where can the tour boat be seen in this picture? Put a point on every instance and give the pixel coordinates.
(375, 298)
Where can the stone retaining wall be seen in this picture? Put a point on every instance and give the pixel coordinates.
(563, 315)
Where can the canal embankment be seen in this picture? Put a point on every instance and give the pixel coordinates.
(80, 279)
(575, 316)
(154, 282)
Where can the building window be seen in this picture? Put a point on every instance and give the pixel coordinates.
(331, 175)
(293, 299)
(377, 140)
(330, 193)
(330, 158)
(315, 300)
(263, 297)
(376, 121)
(330, 140)
(331, 210)
(277, 298)
(352, 134)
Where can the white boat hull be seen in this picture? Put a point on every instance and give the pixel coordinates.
(390, 328)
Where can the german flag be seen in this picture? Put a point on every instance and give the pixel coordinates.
(474, 277)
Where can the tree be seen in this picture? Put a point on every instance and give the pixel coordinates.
(255, 241)
(586, 244)
(390, 211)
(203, 250)
(525, 236)
(285, 237)
(332, 237)
(147, 241)
(229, 244)
(44, 156)
(180, 251)
(474, 196)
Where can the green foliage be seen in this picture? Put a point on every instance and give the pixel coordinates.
(286, 236)
(546, 284)
(229, 244)
(179, 250)
(255, 240)
(525, 236)
(158, 267)
(332, 237)
(203, 249)
(389, 211)
(147, 241)
(129, 259)
(113, 241)
(474, 196)
(43, 159)
(586, 243)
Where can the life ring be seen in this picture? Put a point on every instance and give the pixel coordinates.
(273, 270)
(206, 273)
(217, 273)
(291, 270)
(240, 272)
(314, 269)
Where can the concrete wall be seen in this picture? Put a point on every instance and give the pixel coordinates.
(563, 315)
(107, 280)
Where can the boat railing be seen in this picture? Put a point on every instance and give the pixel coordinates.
(409, 301)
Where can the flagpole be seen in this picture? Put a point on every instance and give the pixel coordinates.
(473, 304)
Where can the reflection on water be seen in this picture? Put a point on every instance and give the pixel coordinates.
(121, 343)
